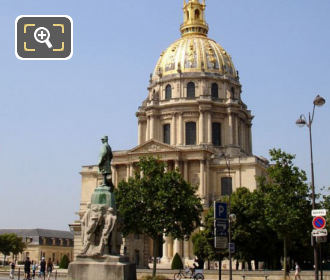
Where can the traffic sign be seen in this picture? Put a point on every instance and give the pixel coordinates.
(319, 222)
(319, 212)
(221, 228)
(220, 210)
(220, 242)
(319, 232)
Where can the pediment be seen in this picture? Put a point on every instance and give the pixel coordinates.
(153, 146)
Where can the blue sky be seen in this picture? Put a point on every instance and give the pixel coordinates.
(52, 113)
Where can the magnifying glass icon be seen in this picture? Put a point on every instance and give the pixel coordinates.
(42, 35)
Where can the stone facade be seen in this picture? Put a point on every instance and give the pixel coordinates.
(194, 119)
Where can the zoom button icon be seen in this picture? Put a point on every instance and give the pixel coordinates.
(43, 37)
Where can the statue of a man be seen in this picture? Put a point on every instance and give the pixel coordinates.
(105, 158)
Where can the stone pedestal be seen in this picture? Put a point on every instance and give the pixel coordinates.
(102, 268)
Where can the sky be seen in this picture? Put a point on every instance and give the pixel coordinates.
(53, 113)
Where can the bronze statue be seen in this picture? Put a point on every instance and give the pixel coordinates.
(104, 163)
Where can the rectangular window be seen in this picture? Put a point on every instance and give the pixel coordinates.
(216, 134)
(190, 133)
(167, 133)
(226, 186)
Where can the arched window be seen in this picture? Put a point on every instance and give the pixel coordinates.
(215, 91)
(191, 90)
(188, 15)
(197, 14)
(190, 133)
(167, 133)
(168, 92)
(216, 134)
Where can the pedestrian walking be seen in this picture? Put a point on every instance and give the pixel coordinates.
(12, 270)
(49, 268)
(34, 268)
(42, 270)
(297, 272)
(27, 269)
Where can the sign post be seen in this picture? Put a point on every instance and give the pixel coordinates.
(220, 229)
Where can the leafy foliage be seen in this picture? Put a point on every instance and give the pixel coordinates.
(11, 243)
(157, 202)
(177, 262)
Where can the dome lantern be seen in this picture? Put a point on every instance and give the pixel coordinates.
(194, 18)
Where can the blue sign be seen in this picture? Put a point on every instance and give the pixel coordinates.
(220, 210)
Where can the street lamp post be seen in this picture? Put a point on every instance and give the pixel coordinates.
(301, 122)
(230, 218)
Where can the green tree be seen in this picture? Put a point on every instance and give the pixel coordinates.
(287, 201)
(157, 202)
(254, 239)
(10, 243)
(64, 263)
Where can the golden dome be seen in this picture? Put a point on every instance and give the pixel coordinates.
(195, 53)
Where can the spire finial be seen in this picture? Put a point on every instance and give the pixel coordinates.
(194, 18)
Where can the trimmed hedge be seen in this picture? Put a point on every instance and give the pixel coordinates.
(177, 262)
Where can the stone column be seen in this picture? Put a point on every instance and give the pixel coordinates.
(209, 128)
(180, 130)
(201, 127)
(152, 127)
(236, 130)
(114, 175)
(202, 179)
(207, 182)
(173, 130)
(131, 170)
(165, 257)
(230, 129)
(177, 247)
(148, 129)
(139, 133)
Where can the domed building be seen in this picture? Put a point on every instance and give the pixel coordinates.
(195, 120)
